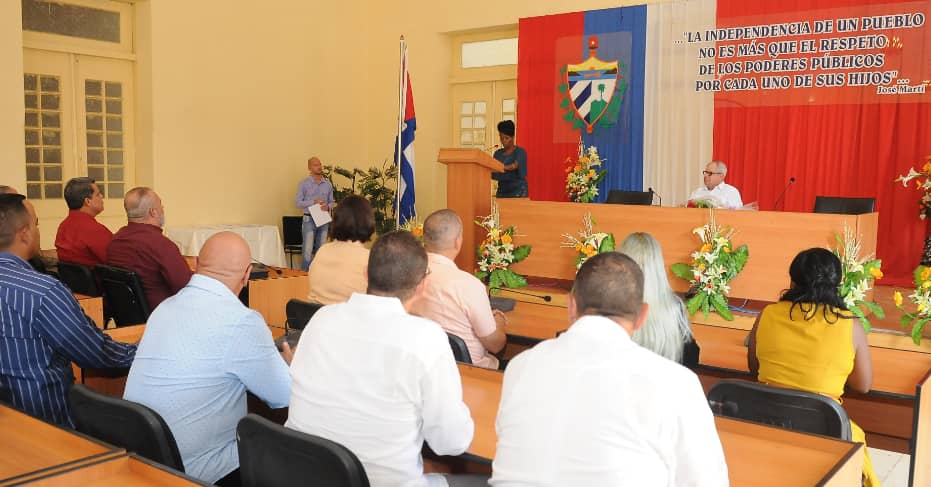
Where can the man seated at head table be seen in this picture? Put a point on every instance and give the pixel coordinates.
(715, 190)
(456, 299)
(42, 327)
(378, 380)
(592, 407)
(202, 349)
(81, 238)
(141, 247)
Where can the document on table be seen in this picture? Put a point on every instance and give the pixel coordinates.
(320, 217)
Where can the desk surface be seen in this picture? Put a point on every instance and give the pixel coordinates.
(755, 454)
(117, 472)
(28, 445)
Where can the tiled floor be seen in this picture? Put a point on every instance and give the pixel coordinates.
(890, 467)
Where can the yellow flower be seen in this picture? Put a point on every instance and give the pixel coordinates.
(726, 249)
(583, 159)
(701, 267)
(926, 273)
(921, 307)
(591, 173)
(505, 239)
(876, 272)
(926, 167)
(897, 297)
(417, 231)
(578, 247)
(589, 250)
(577, 168)
(705, 248)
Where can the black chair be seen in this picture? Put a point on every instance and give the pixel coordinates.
(274, 456)
(79, 278)
(293, 237)
(123, 295)
(844, 206)
(6, 396)
(125, 424)
(619, 197)
(460, 350)
(777, 406)
(298, 313)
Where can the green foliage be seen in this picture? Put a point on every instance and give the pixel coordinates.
(682, 271)
(521, 253)
(607, 244)
(376, 184)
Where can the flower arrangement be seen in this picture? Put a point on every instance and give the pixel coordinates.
(921, 298)
(713, 266)
(415, 226)
(497, 252)
(588, 243)
(858, 276)
(923, 182)
(584, 175)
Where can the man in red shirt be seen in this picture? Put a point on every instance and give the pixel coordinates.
(141, 247)
(81, 238)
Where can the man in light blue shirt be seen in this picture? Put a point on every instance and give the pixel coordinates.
(313, 190)
(201, 350)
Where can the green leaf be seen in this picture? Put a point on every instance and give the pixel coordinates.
(682, 271)
(906, 320)
(917, 275)
(720, 305)
(495, 281)
(705, 306)
(916, 330)
(481, 275)
(874, 308)
(513, 280)
(740, 255)
(607, 245)
(521, 253)
(693, 304)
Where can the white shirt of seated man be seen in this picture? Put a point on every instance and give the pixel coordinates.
(715, 190)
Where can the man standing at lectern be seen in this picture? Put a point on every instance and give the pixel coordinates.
(721, 194)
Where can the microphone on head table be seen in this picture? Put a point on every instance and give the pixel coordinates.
(256, 261)
(660, 198)
(783, 193)
(544, 297)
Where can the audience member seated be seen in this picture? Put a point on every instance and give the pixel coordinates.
(809, 341)
(81, 238)
(456, 299)
(592, 407)
(36, 262)
(202, 349)
(338, 268)
(714, 190)
(666, 331)
(42, 326)
(141, 247)
(378, 380)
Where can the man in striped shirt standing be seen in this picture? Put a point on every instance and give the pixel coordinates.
(42, 326)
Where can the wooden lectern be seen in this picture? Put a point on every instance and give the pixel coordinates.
(468, 193)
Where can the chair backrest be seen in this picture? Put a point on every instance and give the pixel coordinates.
(271, 455)
(125, 424)
(844, 206)
(291, 230)
(777, 406)
(299, 312)
(5, 395)
(460, 350)
(79, 278)
(124, 295)
(619, 197)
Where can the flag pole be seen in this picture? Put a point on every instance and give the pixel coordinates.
(402, 92)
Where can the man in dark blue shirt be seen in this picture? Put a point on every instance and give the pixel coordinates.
(42, 326)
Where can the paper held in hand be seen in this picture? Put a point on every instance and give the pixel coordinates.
(320, 217)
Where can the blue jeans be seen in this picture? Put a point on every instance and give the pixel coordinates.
(314, 238)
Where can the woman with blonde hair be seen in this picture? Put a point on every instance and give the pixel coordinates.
(667, 331)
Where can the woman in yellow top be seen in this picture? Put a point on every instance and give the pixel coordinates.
(809, 341)
(338, 268)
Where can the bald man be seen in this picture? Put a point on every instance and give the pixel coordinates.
(141, 247)
(313, 190)
(202, 349)
(456, 299)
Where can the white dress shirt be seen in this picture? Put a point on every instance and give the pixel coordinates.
(379, 381)
(724, 195)
(593, 408)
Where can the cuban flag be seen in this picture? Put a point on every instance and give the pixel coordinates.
(404, 151)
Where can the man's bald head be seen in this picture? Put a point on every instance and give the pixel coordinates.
(143, 205)
(226, 257)
(4, 189)
(441, 231)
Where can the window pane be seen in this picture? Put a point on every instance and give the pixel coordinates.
(52, 156)
(92, 88)
(479, 137)
(94, 140)
(93, 105)
(114, 157)
(32, 155)
(466, 137)
(116, 190)
(71, 20)
(94, 122)
(114, 90)
(32, 101)
(34, 191)
(51, 119)
(479, 122)
(114, 140)
(32, 137)
(480, 108)
(32, 119)
(50, 102)
(498, 52)
(115, 124)
(95, 172)
(33, 173)
(49, 84)
(29, 82)
(51, 137)
(507, 105)
(52, 173)
(94, 156)
(466, 108)
(114, 106)
(115, 173)
(466, 122)
(53, 190)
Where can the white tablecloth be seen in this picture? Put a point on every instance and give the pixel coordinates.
(264, 240)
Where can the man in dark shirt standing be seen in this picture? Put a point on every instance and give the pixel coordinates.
(81, 238)
(141, 247)
(42, 326)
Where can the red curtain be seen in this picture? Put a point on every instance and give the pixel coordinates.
(833, 149)
(540, 128)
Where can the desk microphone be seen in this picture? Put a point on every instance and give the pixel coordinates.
(783, 193)
(255, 261)
(544, 297)
(660, 198)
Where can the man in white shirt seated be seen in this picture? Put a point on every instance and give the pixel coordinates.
(715, 190)
(456, 299)
(378, 380)
(592, 407)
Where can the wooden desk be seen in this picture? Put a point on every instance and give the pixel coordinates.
(774, 237)
(756, 455)
(30, 447)
(93, 307)
(130, 470)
